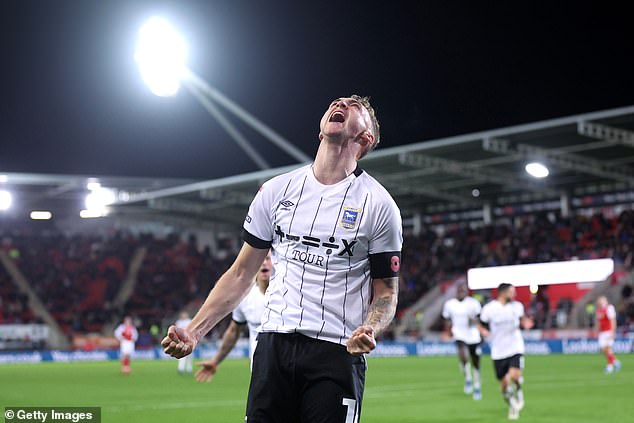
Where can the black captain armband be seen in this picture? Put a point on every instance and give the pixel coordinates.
(255, 242)
(385, 265)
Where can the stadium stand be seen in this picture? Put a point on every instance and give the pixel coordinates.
(14, 307)
(173, 275)
(77, 277)
(441, 254)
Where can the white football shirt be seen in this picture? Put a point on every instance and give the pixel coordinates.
(462, 314)
(250, 311)
(328, 242)
(504, 325)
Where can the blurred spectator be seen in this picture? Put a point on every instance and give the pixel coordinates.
(77, 277)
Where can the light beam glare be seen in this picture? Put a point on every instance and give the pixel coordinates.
(160, 54)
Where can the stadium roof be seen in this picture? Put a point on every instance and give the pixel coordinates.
(589, 156)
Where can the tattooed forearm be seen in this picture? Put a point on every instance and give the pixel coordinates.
(383, 307)
(380, 313)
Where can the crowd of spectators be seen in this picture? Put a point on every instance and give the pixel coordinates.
(175, 275)
(438, 254)
(77, 277)
(14, 305)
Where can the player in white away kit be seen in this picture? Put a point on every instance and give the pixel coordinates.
(501, 321)
(185, 363)
(127, 335)
(606, 323)
(249, 312)
(461, 314)
(336, 237)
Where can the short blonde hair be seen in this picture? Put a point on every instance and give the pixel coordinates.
(365, 102)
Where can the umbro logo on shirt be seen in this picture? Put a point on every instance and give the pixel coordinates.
(286, 205)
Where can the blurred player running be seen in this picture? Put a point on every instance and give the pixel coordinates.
(461, 315)
(606, 322)
(501, 321)
(249, 312)
(127, 335)
(185, 363)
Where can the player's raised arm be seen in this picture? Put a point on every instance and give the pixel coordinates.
(380, 314)
(223, 298)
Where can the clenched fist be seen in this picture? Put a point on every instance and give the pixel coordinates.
(179, 342)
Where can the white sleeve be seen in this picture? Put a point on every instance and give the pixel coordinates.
(477, 307)
(258, 224)
(387, 235)
(484, 314)
(135, 334)
(118, 331)
(611, 313)
(386, 240)
(445, 311)
(238, 315)
(519, 307)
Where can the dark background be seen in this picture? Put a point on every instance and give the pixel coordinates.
(73, 102)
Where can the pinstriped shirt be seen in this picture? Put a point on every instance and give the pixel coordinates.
(322, 239)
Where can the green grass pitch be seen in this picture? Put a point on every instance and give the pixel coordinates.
(558, 389)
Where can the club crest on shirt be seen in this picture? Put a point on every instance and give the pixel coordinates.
(349, 217)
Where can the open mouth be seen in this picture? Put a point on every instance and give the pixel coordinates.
(337, 116)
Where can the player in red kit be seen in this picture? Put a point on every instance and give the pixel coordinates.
(127, 335)
(606, 323)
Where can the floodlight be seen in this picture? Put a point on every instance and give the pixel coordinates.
(160, 55)
(41, 215)
(537, 170)
(5, 200)
(90, 214)
(4, 178)
(98, 199)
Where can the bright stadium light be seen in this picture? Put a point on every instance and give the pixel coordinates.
(3, 178)
(91, 214)
(41, 215)
(537, 170)
(160, 55)
(93, 185)
(97, 201)
(5, 200)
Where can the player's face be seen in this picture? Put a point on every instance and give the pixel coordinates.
(461, 293)
(345, 118)
(265, 269)
(510, 293)
(602, 302)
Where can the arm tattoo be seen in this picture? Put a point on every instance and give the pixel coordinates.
(383, 308)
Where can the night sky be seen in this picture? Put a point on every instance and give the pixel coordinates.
(73, 101)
